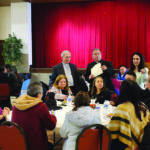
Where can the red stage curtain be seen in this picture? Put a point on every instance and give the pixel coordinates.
(118, 28)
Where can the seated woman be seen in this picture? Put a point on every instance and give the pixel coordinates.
(129, 118)
(122, 73)
(99, 91)
(81, 116)
(60, 89)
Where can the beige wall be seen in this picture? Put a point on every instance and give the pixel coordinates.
(5, 22)
(17, 19)
(21, 26)
(41, 77)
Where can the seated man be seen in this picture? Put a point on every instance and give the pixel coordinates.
(30, 113)
(122, 73)
(131, 76)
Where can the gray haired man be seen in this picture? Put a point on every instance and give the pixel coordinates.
(68, 69)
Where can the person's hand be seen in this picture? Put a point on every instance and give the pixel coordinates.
(91, 76)
(109, 115)
(104, 67)
(1, 117)
(72, 98)
(65, 97)
(112, 103)
(82, 76)
(6, 111)
(48, 91)
(143, 71)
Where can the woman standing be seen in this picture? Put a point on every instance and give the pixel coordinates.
(138, 66)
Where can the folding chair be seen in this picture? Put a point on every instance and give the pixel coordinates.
(94, 137)
(12, 137)
(4, 95)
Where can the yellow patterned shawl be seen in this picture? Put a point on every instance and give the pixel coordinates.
(125, 126)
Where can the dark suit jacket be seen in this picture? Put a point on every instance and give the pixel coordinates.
(107, 74)
(59, 69)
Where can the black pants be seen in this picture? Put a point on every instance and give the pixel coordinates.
(73, 90)
(117, 145)
(50, 146)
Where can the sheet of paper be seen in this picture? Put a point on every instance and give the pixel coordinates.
(96, 70)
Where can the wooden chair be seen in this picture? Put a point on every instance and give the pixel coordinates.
(12, 137)
(94, 137)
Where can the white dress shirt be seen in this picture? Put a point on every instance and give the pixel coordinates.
(68, 74)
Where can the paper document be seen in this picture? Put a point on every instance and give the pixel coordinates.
(96, 70)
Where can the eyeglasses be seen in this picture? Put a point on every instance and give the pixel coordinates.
(96, 54)
(67, 57)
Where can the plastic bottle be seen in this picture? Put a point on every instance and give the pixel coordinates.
(69, 100)
(106, 110)
(106, 104)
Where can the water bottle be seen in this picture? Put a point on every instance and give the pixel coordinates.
(106, 104)
(106, 110)
(69, 100)
(97, 107)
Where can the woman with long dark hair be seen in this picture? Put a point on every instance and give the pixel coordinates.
(99, 91)
(137, 65)
(129, 119)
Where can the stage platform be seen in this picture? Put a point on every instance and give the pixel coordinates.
(49, 70)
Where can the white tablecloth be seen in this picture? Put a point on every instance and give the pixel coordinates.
(60, 114)
(103, 112)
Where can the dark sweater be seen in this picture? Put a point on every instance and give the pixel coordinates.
(102, 96)
(34, 122)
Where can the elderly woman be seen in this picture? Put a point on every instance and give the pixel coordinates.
(81, 116)
(138, 66)
(129, 118)
(60, 89)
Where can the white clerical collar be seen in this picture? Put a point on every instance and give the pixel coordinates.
(64, 63)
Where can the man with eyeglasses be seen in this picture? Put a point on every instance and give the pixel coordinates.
(106, 67)
(67, 69)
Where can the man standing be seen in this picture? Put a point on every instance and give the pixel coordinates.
(67, 69)
(107, 68)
